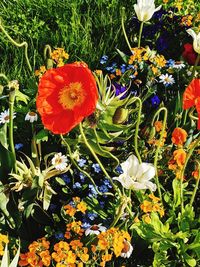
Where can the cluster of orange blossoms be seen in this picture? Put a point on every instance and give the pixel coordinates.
(78, 206)
(59, 56)
(38, 254)
(151, 205)
(74, 254)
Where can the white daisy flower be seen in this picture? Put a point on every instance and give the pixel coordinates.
(95, 229)
(127, 250)
(179, 65)
(4, 116)
(59, 161)
(166, 79)
(136, 176)
(31, 116)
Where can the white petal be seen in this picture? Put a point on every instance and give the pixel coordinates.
(192, 33)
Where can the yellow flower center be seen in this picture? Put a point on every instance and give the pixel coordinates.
(72, 95)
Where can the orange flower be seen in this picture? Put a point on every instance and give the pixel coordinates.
(158, 125)
(191, 97)
(179, 157)
(179, 136)
(66, 95)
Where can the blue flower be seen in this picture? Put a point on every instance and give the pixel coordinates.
(103, 59)
(52, 207)
(102, 204)
(155, 101)
(59, 235)
(82, 177)
(66, 178)
(112, 68)
(119, 169)
(103, 188)
(107, 183)
(92, 216)
(77, 185)
(81, 162)
(93, 191)
(170, 63)
(123, 68)
(96, 167)
(18, 146)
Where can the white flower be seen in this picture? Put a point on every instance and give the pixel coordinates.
(127, 250)
(145, 9)
(95, 229)
(31, 116)
(136, 175)
(59, 161)
(4, 116)
(166, 79)
(196, 40)
(179, 65)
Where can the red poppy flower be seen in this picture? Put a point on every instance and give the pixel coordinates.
(189, 54)
(66, 95)
(191, 97)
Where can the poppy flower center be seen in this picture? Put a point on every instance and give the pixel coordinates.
(71, 95)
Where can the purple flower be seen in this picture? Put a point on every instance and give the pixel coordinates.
(119, 89)
(155, 101)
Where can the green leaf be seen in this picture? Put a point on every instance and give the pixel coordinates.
(21, 97)
(47, 198)
(6, 163)
(41, 136)
(190, 261)
(123, 56)
(3, 135)
(6, 258)
(60, 181)
(176, 189)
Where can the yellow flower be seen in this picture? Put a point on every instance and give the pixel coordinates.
(82, 206)
(146, 218)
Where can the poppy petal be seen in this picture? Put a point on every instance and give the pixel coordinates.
(66, 95)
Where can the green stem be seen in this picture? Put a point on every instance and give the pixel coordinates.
(196, 186)
(47, 49)
(137, 128)
(96, 157)
(123, 29)
(195, 144)
(11, 112)
(4, 77)
(25, 44)
(159, 145)
(81, 170)
(195, 65)
(140, 34)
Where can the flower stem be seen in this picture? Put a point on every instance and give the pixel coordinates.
(195, 144)
(137, 128)
(140, 34)
(196, 186)
(123, 29)
(159, 145)
(11, 111)
(25, 44)
(95, 156)
(195, 65)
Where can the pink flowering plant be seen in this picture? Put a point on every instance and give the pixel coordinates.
(100, 166)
